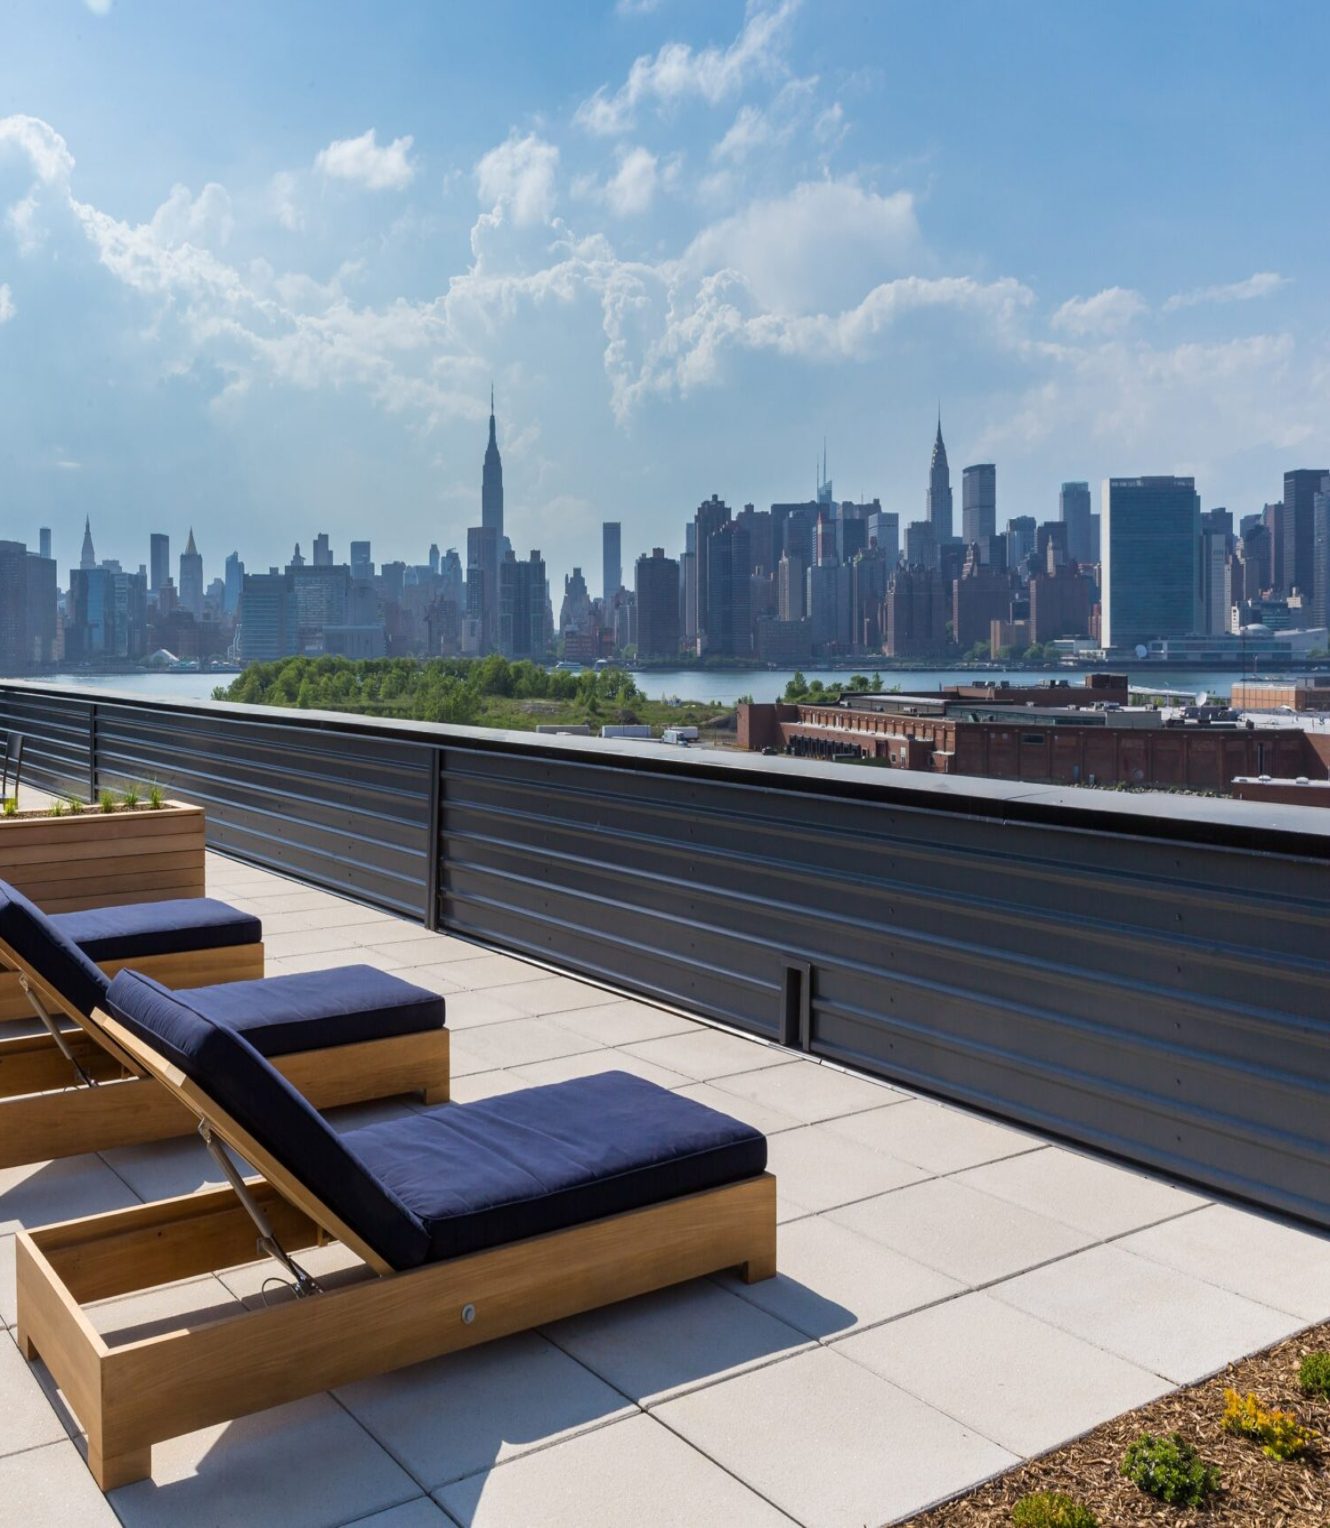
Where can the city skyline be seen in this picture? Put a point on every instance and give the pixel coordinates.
(295, 323)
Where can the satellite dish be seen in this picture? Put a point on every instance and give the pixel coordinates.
(1203, 699)
(1142, 651)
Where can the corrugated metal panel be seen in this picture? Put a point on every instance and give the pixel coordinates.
(1157, 986)
(55, 731)
(1169, 1001)
(350, 812)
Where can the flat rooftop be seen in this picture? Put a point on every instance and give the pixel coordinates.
(955, 1295)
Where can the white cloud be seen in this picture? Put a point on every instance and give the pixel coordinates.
(1139, 407)
(1259, 285)
(632, 188)
(820, 246)
(678, 73)
(50, 162)
(637, 7)
(284, 201)
(7, 308)
(519, 176)
(750, 130)
(364, 162)
(99, 7)
(756, 129)
(1107, 312)
(204, 221)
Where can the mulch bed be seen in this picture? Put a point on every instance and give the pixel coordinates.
(1257, 1492)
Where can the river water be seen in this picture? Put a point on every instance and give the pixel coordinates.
(723, 686)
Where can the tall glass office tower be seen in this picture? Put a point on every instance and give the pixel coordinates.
(1151, 559)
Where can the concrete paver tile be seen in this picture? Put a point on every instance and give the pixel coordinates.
(808, 1090)
(931, 1135)
(830, 1443)
(663, 1343)
(1091, 1195)
(1011, 1377)
(1280, 1265)
(1151, 1315)
(833, 1281)
(304, 1465)
(453, 1416)
(635, 1471)
(969, 1235)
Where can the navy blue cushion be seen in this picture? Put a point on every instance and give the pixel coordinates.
(228, 1068)
(59, 963)
(465, 1176)
(158, 928)
(482, 1174)
(315, 1009)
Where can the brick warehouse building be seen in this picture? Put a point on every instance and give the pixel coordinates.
(977, 730)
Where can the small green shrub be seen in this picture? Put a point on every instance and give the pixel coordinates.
(1279, 1433)
(58, 808)
(156, 796)
(1170, 1470)
(131, 797)
(1051, 1509)
(1314, 1374)
(11, 806)
(107, 801)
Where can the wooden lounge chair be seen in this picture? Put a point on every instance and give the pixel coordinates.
(471, 1221)
(184, 942)
(341, 1036)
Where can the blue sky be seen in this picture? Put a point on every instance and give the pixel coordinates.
(258, 263)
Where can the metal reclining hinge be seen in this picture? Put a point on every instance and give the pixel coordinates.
(56, 1033)
(305, 1283)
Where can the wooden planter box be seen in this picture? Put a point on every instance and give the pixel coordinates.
(95, 859)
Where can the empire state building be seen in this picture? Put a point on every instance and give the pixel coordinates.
(491, 484)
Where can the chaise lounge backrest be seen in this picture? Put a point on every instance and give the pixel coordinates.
(230, 1071)
(60, 965)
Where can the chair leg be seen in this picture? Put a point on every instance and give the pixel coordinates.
(761, 1260)
(112, 1470)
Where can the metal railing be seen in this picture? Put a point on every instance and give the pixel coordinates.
(1149, 975)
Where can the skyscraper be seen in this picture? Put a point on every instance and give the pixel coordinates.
(523, 596)
(1152, 545)
(729, 566)
(978, 501)
(657, 587)
(88, 558)
(323, 557)
(491, 483)
(1300, 490)
(939, 489)
(191, 579)
(1321, 554)
(611, 559)
(1074, 512)
(235, 583)
(268, 626)
(711, 515)
(1216, 579)
(27, 608)
(1021, 532)
(159, 561)
(362, 562)
(44, 542)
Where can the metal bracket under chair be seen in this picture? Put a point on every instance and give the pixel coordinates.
(305, 1283)
(56, 1033)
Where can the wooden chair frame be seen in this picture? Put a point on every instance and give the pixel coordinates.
(132, 1394)
(42, 1116)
